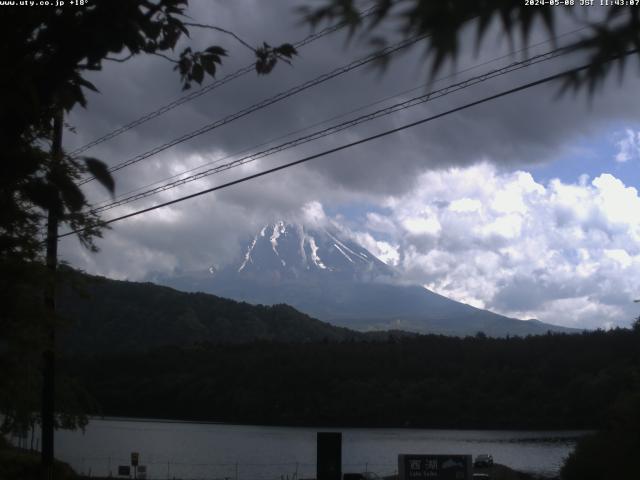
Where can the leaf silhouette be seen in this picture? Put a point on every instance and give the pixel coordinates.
(100, 171)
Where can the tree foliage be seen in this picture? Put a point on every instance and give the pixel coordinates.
(21, 338)
(555, 381)
(613, 36)
(46, 52)
(107, 315)
(612, 451)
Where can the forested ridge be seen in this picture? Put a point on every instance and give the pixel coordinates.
(105, 315)
(550, 381)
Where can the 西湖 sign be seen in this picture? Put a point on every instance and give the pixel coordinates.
(435, 467)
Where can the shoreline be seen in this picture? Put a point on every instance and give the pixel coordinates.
(21, 464)
(573, 433)
(24, 464)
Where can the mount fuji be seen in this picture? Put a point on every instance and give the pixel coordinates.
(320, 272)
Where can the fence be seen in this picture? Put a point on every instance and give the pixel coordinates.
(92, 467)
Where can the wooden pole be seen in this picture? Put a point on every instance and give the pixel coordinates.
(48, 356)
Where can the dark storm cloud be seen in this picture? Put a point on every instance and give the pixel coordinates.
(528, 127)
(519, 130)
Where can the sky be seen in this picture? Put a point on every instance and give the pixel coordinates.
(526, 205)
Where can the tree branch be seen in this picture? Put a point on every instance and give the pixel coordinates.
(165, 57)
(218, 29)
(119, 59)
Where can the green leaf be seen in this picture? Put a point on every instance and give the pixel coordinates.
(87, 84)
(198, 72)
(217, 51)
(287, 50)
(209, 65)
(101, 172)
(71, 194)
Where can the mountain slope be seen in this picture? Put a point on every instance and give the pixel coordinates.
(111, 316)
(331, 278)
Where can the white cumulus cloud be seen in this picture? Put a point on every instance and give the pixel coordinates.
(628, 146)
(562, 253)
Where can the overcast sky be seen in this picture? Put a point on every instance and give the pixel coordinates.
(527, 205)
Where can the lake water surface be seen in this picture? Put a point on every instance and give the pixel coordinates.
(200, 450)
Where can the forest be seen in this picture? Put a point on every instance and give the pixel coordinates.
(104, 315)
(554, 381)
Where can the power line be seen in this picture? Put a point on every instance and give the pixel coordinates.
(265, 103)
(341, 126)
(206, 89)
(351, 144)
(269, 101)
(336, 117)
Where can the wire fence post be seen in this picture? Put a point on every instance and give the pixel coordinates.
(236, 470)
(168, 469)
(366, 468)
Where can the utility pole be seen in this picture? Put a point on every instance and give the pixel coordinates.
(48, 356)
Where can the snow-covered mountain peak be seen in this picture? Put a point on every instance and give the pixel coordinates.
(286, 250)
(320, 271)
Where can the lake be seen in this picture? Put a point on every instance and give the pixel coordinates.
(202, 450)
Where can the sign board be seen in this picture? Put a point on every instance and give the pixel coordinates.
(135, 456)
(435, 467)
(142, 471)
(124, 471)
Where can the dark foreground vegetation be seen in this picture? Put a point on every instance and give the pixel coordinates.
(17, 464)
(612, 452)
(546, 382)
